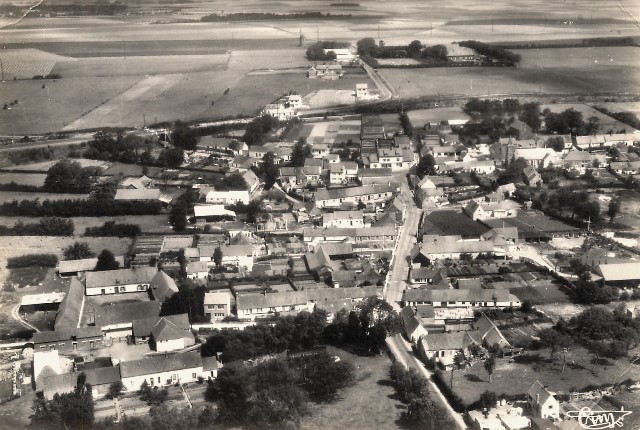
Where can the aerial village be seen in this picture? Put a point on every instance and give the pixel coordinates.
(477, 244)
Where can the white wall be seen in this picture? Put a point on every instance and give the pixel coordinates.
(183, 376)
(128, 288)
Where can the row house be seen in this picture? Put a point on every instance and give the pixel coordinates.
(328, 72)
(371, 237)
(222, 146)
(371, 195)
(300, 177)
(484, 167)
(625, 167)
(471, 298)
(343, 219)
(606, 140)
(228, 197)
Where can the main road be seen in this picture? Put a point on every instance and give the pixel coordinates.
(396, 279)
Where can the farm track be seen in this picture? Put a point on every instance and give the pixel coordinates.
(626, 11)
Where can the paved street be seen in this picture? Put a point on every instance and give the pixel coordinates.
(396, 281)
(401, 349)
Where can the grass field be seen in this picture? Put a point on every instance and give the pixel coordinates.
(369, 404)
(9, 196)
(35, 179)
(46, 165)
(148, 223)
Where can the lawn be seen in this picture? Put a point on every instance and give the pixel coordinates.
(369, 404)
(513, 378)
(548, 292)
(33, 179)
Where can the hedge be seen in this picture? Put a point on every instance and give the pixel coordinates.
(37, 260)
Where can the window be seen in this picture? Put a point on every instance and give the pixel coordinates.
(193, 375)
(174, 377)
(152, 382)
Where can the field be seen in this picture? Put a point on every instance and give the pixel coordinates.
(148, 223)
(9, 196)
(605, 122)
(632, 107)
(44, 166)
(34, 179)
(369, 404)
(629, 210)
(515, 378)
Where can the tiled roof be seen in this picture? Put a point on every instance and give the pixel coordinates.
(68, 316)
(108, 278)
(160, 364)
(162, 286)
(134, 194)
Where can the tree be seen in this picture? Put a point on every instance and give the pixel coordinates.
(614, 209)
(426, 166)
(107, 261)
(490, 365)
(69, 177)
(322, 377)
(414, 48)
(366, 46)
(531, 115)
(78, 251)
(65, 411)
(269, 170)
(424, 413)
(592, 125)
(171, 157)
(301, 151)
(184, 136)
(554, 339)
(115, 389)
(152, 396)
(488, 400)
(556, 143)
(217, 256)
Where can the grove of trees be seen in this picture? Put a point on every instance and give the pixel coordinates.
(70, 177)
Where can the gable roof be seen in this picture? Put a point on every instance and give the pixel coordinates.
(124, 312)
(290, 298)
(537, 389)
(409, 320)
(144, 326)
(629, 271)
(449, 295)
(341, 193)
(109, 278)
(162, 286)
(161, 364)
(166, 329)
(68, 316)
(446, 341)
(83, 265)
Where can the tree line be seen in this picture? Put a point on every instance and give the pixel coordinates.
(493, 52)
(111, 229)
(316, 52)
(367, 47)
(32, 260)
(77, 208)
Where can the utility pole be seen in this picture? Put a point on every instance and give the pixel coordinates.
(588, 224)
(2, 69)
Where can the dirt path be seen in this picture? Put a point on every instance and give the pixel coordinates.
(15, 314)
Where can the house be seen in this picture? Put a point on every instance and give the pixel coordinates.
(162, 370)
(578, 160)
(625, 167)
(45, 363)
(197, 269)
(390, 157)
(488, 333)
(119, 281)
(619, 272)
(116, 320)
(343, 55)
(628, 139)
(441, 247)
(137, 194)
(445, 151)
(374, 237)
(461, 298)
(590, 142)
(217, 305)
(326, 71)
(343, 173)
(273, 222)
(68, 340)
(240, 256)
(531, 176)
(228, 197)
(375, 176)
(162, 286)
(362, 91)
(461, 54)
(251, 179)
(412, 325)
(443, 347)
(476, 211)
(371, 195)
(483, 167)
(212, 213)
(541, 402)
(171, 334)
(537, 157)
(222, 146)
(135, 183)
(285, 108)
(343, 219)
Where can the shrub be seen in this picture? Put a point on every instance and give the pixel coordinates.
(454, 400)
(37, 260)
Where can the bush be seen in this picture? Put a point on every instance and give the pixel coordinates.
(71, 208)
(454, 400)
(110, 228)
(33, 260)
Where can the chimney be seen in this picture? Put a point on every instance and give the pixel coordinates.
(538, 398)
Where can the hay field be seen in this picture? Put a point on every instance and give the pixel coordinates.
(605, 123)
(69, 99)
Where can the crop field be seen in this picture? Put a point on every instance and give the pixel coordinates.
(42, 110)
(605, 122)
(632, 107)
(46, 165)
(27, 63)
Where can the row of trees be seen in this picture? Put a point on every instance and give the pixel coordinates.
(570, 121)
(32, 260)
(501, 55)
(70, 177)
(497, 113)
(256, 130)
(75, 208)
(48, 226)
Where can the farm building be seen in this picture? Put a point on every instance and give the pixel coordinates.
(213, 212)
(100, 379)
(371, 195)
(452, 223)
(162, 286)
(619, 272)
(41, 302)
(472, 298)
(67, 340)
(227, 197)
(70, 310)
(69, 268)
(119, 281)
(460, 54)
(116, 321)
(328, 72)
(137, 194)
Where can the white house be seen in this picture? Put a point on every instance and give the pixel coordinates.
(472, 298)
(240, 256)
(119, 281)
(217, 305)
(197, 269)
(343, 219)
(412, 325)
(162, 370)
(371, 195)
(541, 402)
(171, 335)
(212, 211)
(227, 197)
(537, 157)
